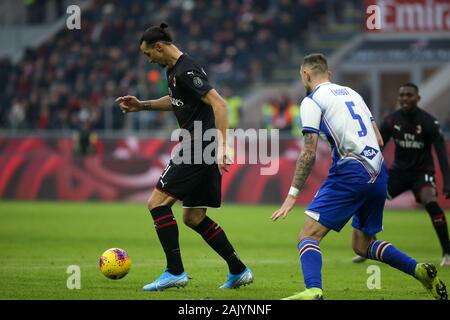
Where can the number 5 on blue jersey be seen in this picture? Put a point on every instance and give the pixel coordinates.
(356, 116)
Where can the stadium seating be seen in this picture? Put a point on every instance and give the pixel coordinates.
(74, 76)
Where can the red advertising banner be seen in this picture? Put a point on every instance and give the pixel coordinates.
(407, 16)
(128, 169)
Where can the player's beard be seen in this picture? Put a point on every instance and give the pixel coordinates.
(409, 109)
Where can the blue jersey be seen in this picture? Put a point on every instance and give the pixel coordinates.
(341, 114)
(357, 183)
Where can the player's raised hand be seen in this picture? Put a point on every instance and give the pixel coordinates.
(287, 206)
(129, 104)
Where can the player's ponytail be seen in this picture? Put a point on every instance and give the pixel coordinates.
(155, 34)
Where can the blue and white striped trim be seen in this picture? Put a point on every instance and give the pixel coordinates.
(310, 129)
(308, 244)
(317, 88)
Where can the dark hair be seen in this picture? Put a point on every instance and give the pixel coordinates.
(155, 34)
(411, 85)
(317, 62)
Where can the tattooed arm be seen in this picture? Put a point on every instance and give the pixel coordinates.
(306, 160)
(303, 168)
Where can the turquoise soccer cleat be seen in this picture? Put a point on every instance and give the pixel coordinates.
(167, 280)
(234, 281)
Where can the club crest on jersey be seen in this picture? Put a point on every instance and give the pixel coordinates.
(419, 129)
(198, 82)
(369, 152)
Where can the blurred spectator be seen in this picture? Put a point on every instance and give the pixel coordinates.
(282, 114)
(84, 140)
(234, 107)
(79, 72)
(35, 11)
(17, 115)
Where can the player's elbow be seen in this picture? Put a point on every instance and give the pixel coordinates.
(220, 105)
(220, 110)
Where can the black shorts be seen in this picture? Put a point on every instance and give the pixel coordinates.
(400, 182)
(197, 185)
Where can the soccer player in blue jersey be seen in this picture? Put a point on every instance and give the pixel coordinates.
(356, 186)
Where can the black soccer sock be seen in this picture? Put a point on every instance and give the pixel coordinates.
(167, 230)
(440, 225)
(213, 234)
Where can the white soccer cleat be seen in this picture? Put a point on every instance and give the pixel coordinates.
(358, 259)
(445, 262)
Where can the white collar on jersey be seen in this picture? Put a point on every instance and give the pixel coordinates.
(321, 84)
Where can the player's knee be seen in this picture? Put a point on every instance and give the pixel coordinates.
(427, 195)
(152, 203)
(159, 199)
(191, 220)
(427, 199)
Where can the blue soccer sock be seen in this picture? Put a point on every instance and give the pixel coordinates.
(311, 260)
(385, 252)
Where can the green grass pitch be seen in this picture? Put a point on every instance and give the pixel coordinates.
(39, 240)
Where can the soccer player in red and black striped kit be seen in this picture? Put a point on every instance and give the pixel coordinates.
(198, 185)
(414, 131)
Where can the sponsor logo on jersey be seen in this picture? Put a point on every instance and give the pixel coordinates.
(176, 102)
(197, 82)
(369, 152)
(409, 142)
(419, 129)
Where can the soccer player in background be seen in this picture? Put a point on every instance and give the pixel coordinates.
(355, 187)
(198, 186)
(414, 132)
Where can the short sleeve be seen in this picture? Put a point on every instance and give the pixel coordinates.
(311, 115)
(195, 80)
(367, 110)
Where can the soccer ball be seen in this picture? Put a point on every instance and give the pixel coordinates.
(115, 263)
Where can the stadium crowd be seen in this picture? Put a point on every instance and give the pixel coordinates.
(74, 76)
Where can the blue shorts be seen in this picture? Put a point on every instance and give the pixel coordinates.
(338, 200)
